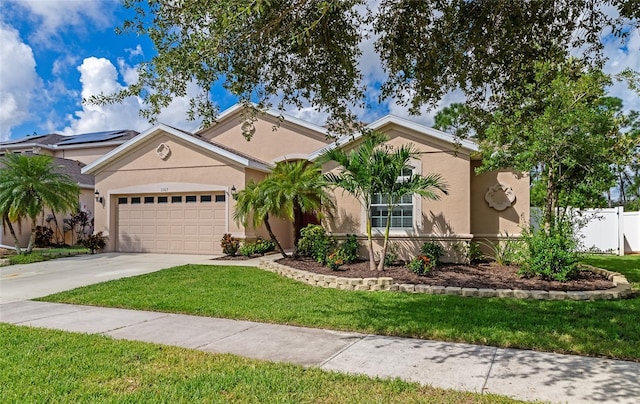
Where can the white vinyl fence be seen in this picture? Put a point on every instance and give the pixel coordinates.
(610, 230)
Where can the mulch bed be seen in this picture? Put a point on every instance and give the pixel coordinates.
(490, 276)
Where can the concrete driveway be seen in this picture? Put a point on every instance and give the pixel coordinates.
(23, 282)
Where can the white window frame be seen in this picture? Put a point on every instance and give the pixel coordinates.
(416, 201)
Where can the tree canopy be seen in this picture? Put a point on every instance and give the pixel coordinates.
(563, 130)
(299, 51)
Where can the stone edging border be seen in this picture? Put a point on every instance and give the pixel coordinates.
(620, 290)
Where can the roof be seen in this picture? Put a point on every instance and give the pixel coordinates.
(71, 168)
(275, 114)
(195, 139)
(57, 141)
(464, 144)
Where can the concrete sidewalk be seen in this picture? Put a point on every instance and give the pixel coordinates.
(525, 375)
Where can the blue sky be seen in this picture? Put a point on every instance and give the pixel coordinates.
(55, 52)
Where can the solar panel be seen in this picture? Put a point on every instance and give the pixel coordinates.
(28, 139)
(91, 137)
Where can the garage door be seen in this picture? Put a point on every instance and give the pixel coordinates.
(180, 224)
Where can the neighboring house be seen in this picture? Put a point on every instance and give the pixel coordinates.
(71, 154)
(170, 191)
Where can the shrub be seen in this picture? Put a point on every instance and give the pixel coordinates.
(44, 235)
(421, 264)
(259, 247)
(553, 253)
(95, 242)
(433, 251)
(350, 248)
(336, 259)
(315, 243)
(507, 251)
(230, 245)
(391, 257)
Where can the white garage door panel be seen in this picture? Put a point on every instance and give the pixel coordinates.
(190, 228)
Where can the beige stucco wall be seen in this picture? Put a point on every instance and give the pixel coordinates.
(84, 155)
(488, 223)
(448, 215)
(288, 142)
(141, 171)
(447, 219)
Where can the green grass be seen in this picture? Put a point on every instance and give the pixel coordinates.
(45, 254)
(628, 265)
(55, 366)
(599, 328)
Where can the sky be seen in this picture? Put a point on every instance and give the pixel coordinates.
(54, 53)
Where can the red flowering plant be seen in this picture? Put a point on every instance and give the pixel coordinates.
(421, 264)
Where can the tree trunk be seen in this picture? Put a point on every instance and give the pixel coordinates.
(385, 244)
(273, 236)
(6, 220)
(551, 200)
(32, 236)
(372, 259)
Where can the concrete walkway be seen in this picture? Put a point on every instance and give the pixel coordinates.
(520, 374)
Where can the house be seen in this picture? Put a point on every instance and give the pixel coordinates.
(71, 154)
(171, 191)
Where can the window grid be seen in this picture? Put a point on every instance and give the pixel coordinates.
(402, 213)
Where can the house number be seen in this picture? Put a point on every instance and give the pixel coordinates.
(164, 189)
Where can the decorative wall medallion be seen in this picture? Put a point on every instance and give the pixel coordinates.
(163, 151)
(500, 197)
(248, 129)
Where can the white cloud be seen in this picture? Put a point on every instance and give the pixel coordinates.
(63, 63)
(18, 80)
(99, 76)
(135, 52)
(53, 17)
(621, 58)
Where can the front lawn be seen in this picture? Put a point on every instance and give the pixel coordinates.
(628, 265)
(41, 366)
(45, 254)
(598, 328)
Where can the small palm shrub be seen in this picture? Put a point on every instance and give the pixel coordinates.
(95, 242)
(433, 251)
(421, 264)
(230, 245)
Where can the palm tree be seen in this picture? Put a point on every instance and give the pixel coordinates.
(297, 188)
(291, 187)
(373, 170)
(395, 186)
(358, 177)
(28, 184)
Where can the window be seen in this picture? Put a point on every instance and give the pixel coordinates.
(163, 199)
(149, 199)
(176, 199)
(402, 213)
(191, 199)
(135, 200)
(220, 198)
(123, 201)
(205, 198)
